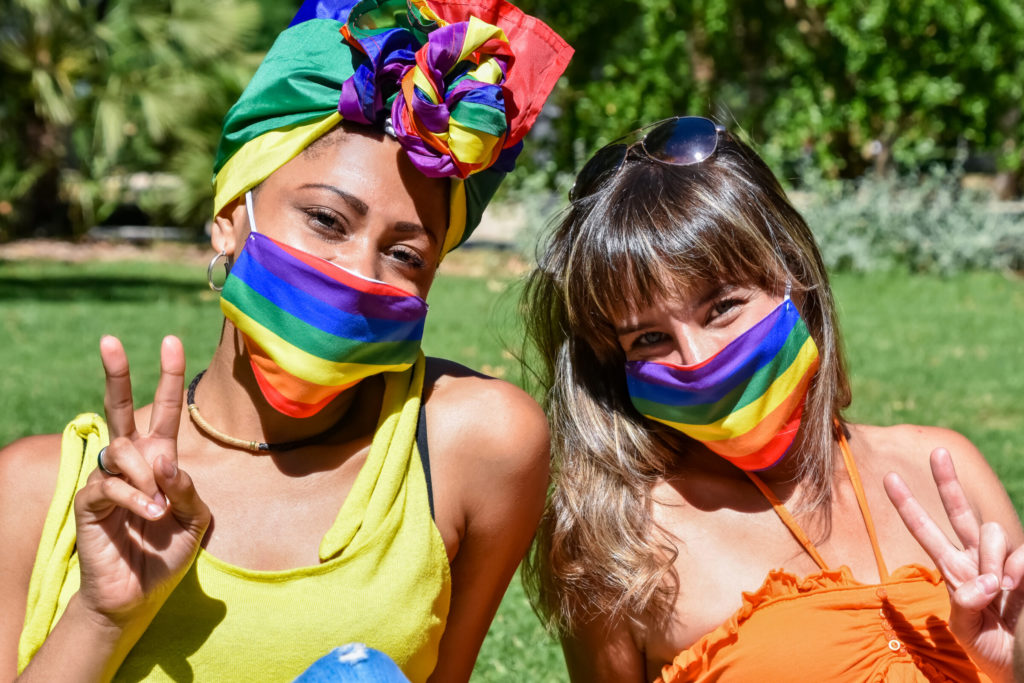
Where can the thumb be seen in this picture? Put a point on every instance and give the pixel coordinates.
(183, 499)
(976, 594)
(967, 603)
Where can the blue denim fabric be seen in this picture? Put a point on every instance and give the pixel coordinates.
(353, 663)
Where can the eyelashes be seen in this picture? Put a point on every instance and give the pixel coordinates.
(723, 307)
(333, 227)
(719, 313)
(325, 222)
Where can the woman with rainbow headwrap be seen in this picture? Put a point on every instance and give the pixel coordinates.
(320, 482)
(714, 516)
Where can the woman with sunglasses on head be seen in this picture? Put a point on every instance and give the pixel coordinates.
(320, 482)
(714, 516)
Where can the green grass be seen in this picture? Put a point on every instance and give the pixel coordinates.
(922, 349)
(941, 351)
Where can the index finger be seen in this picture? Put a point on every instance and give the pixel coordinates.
(167, 401)
(117, 398)
(922, 527)
(954, 500)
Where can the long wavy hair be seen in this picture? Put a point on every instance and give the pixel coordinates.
(654, 230)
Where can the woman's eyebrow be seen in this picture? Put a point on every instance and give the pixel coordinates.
(357, 204)
(715, 292)
(631, 327)
(361, 207)
(409, 226)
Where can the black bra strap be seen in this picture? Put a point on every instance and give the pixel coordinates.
(421, 446)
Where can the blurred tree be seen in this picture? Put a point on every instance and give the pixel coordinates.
(96, 91)
(845, 85)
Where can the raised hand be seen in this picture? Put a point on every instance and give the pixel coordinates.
(983, 576)
(139, 529)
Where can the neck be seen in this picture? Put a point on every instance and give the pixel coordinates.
(231, 401)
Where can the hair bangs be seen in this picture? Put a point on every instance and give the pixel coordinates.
(617, 264)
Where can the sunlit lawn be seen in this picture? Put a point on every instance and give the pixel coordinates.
(926, 350)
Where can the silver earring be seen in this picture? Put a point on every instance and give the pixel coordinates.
(213, 264)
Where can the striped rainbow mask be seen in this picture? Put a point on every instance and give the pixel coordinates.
(312, 328)
(745, 402)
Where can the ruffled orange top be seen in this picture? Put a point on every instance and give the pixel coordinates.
(830, 627)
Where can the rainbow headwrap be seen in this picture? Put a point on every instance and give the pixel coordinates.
(461, 80)
(745, 402)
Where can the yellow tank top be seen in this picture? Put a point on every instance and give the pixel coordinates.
(383, 577)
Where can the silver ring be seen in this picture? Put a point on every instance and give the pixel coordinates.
(99, 463)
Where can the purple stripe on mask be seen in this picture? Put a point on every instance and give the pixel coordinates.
(332, 292)
(741, 356)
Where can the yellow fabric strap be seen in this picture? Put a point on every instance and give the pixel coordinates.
(82, 440)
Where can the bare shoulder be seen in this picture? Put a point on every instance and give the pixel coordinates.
(28, 473)
(495, 422)
(906, 450)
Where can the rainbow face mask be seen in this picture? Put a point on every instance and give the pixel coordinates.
(312, 328)
(745, 402)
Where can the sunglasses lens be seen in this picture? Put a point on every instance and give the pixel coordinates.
(606, 161)
(683, 141)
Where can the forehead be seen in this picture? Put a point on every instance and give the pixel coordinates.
(373, 168)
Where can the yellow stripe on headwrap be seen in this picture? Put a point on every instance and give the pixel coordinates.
(477, 33)
(456, 215)
(471, 145)
(263, 155)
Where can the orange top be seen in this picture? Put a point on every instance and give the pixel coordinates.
(829, 627)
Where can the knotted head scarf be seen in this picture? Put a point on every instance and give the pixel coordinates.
(460, 81)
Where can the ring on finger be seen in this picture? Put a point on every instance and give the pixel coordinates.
(99, 463)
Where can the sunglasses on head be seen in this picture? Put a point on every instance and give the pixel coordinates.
(679, 141)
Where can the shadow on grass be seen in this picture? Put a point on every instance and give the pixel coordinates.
(76, 287)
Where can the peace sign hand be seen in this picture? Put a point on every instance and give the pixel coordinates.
(983, 578)
(139, 530)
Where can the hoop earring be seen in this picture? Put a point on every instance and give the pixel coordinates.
(213, 264)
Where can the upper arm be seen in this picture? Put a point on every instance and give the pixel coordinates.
(489, 464)
(28, 476)
(598, 652)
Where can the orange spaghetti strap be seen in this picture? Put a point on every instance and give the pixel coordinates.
(858, 489)
(788, 520)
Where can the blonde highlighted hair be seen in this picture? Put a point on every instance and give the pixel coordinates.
(653, 230)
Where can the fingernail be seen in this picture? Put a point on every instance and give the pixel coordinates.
(988, 583)
(1008, 583)
(160, 499)
(154, 510)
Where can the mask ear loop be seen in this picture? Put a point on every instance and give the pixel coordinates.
(249, 212)
(789, 289)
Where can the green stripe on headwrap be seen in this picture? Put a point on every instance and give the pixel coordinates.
(297, 82)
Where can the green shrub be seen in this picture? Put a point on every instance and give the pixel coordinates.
(921, 223)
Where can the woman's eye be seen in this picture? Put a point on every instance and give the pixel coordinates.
(325, 221)
(649, 339)
(408, 256)
(723, 306)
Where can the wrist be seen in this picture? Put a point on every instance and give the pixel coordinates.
(84, 645)
(113, 633)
